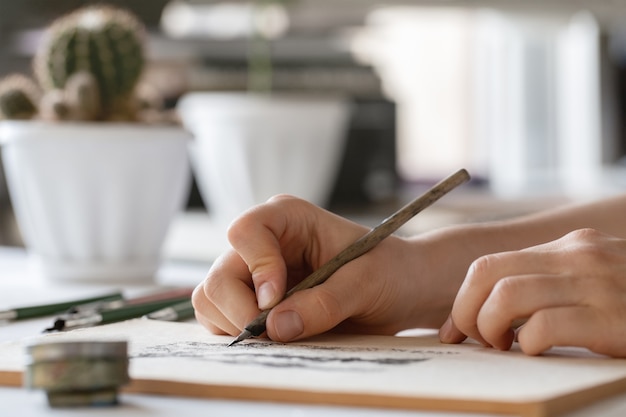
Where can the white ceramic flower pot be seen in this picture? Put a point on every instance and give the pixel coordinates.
(94, 201)
(249, 147)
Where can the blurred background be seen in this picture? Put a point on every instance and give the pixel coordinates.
(529, 96)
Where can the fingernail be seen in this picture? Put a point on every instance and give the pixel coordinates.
(265, 296)
(445, 335)
(288, 325)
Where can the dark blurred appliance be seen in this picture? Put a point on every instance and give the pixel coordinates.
(368, 171)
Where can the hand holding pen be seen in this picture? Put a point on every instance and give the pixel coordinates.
(360, 246)
(278, 244)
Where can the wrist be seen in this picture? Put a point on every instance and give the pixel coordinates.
(441, 259)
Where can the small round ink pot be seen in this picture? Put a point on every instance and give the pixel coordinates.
(78, 373)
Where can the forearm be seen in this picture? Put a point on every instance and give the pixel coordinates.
(607, 215)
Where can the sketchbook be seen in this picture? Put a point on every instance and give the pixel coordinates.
(183, 359)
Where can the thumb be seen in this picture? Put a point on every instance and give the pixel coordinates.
(306, 313)
(448, 333)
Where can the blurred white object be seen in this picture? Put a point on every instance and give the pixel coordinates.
(95, 201)
(224, 20)
(249, 147)
(513, 96)
(538, 102)
(580, 137)
(423, 55)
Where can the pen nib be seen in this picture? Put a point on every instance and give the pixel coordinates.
(59, 325)
(242, 336)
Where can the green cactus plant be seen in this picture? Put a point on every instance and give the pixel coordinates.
(104, 41)
(18, 97)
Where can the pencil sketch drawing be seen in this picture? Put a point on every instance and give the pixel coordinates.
(279, 355)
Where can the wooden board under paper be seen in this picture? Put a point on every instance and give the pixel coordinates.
(183, 359)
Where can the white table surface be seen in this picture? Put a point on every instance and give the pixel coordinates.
(20, 285)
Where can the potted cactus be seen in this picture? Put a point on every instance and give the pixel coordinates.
(95, 172)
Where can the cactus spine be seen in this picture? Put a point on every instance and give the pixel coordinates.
(104, 41)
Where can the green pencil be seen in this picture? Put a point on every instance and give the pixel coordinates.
(176, 312)
(114, 315)
(55, 308)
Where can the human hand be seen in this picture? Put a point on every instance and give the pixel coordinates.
(279, 243)
(572, 291)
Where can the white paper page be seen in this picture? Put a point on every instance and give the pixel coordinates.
(381, 365)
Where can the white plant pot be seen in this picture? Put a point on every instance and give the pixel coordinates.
(94, 201)
(249, 147)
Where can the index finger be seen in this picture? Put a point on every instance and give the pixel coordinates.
(264, 236)
(226, 298)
